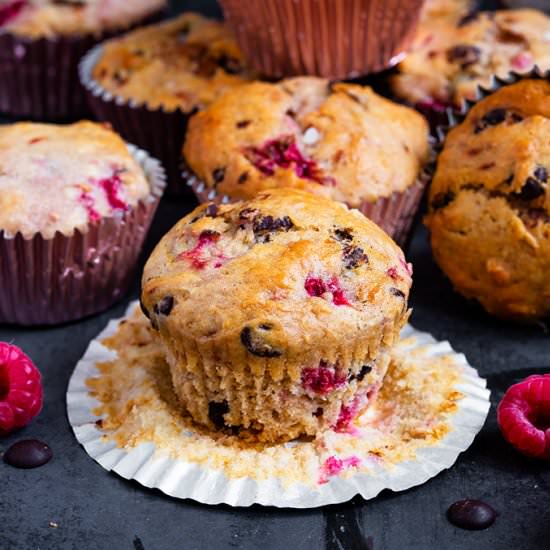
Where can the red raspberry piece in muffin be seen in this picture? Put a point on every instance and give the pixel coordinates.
(20, 389)
(524, 416)
(292, 332)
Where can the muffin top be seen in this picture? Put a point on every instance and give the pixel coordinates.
(490, 202)
(61, 178)
(341, 141)
(48, 18)
(449, 59)
(286, 276)
(452, 10)
(185, 63)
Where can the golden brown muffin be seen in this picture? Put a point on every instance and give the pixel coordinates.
(340, 141)
(48, 18)
(490, 204)
(434, 11)
(185, 63)
(450, 59)
(61, 178)
(276, 313)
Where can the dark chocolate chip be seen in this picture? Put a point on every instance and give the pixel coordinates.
(397, 292)
(541, 174)
(216, 412)
(121, 76)
(229, 64)
(253, 340)
(264, 225)
(532, 189)
(343, 234)
(211, 210)
(247, 213)
(28, 453)
(209, 234)
(243, 177)
(471, 514)
(441, 200)
(318, 412)
(464, 54)
(218, 175)
(468, 18)
(365, 369)
(353, 257)
(496, 116)
(164, 307)
(243, 123)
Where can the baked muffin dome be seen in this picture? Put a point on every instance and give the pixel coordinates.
(185, 63)
(47, 18)
(276, 313)
(62, 178)
(450, 59)
(340, 141)
(489, 203)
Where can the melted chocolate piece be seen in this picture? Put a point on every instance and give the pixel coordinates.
(471, 514)
(265, 225)
(343, 234)
(218, 175)
(253, 340)
(541, 174)
(365, 369)
(441, 200)
(495, 117)
(463, 54)
(531, 190)
(354, 257)
(397, 292)
(211, 211)
(243, 123)
(164, 307)
(28, 453)
(216, 412)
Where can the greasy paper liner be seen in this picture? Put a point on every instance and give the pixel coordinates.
(47, 281)
(329, 38)
(394, 214)
(182, 479)
(40, 76)
(158, 131)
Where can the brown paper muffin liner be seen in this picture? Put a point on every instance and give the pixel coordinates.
(395, 214)
(158, 131)
(40, 76)
(47, 281)
(329, 38)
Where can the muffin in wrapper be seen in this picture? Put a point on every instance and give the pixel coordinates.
(49, 281)
(329, 38)
(40, 75)
(267, 312)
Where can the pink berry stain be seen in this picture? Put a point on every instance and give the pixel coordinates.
(317, 287)
(524, 416)
(88, 202)
(322, 379)
(334, 466)
(11, 10)
(522, 61)
(198, 255)
(284, 153)
(112, 187)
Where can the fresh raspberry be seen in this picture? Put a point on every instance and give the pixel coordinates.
(199, 256)
(322, 379)
(20, 389)
(317, 287)
(524, 416)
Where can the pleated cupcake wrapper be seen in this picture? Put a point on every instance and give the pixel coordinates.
(395, 214)
(158, 131)
(329, 38)
(180, 478)
(40, 76)
(47, 281)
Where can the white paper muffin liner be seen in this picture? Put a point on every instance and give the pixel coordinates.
(180, 478)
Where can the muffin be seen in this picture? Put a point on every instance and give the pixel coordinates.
(452, 10)
(276, 313)
(449, 60)
(148, 82)
(75, 205)
(323, 37)
(489, 203)
(341, 141)
(41, 43)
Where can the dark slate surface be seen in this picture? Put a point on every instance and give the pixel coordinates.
(97, 510)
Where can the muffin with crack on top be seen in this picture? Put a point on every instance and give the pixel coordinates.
(276, 313)
(489, 203)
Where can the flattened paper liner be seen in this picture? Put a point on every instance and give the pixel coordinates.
(159, 131)
(184, 479)
(48, 281)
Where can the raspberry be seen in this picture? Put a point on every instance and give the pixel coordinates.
(524, 416)
(322, 379)
(20, 389)
(198, 255)
(317, 288)
(11, 11)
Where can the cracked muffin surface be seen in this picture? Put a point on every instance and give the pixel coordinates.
(450, 58)
(341, 141)
(276, 313)
(186, 62)
(489, 203)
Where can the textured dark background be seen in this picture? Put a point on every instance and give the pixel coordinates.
(97, 510)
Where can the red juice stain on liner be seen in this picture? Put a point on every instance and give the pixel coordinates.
(28, 453)
(471, 514)
(11, 10)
